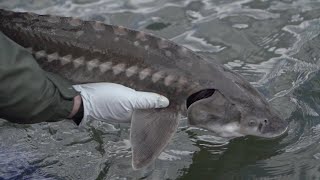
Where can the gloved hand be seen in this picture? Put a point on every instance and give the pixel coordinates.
(115, 102)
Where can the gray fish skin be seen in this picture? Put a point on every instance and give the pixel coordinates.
(88, 51)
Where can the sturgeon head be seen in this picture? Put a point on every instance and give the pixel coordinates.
(248, 114)
(89, 51)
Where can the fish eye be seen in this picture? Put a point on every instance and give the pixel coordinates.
(252, 123)
(266, 121)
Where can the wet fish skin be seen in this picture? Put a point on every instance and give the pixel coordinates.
(88, 51)
(88, 54)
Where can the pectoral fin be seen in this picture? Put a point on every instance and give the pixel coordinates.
(151, 131)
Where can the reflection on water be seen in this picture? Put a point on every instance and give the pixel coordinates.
(274, 44)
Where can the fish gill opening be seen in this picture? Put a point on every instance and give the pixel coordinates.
(205, 93)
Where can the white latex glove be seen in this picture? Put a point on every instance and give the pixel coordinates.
(115, 102)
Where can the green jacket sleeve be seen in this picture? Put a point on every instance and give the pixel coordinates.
(28, 94)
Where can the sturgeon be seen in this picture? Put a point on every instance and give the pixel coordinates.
(212, 96)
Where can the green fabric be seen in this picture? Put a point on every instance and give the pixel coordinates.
(28, 94)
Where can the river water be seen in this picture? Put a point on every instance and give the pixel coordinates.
(274, 44)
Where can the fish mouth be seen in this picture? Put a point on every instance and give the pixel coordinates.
(267, 132)
(274, 135)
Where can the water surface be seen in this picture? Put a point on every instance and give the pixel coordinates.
(274, 44)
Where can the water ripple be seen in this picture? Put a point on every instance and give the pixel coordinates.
(274, 44)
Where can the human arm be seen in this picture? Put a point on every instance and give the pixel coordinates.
(27, 93)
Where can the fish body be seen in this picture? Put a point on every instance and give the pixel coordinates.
(211, 95)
